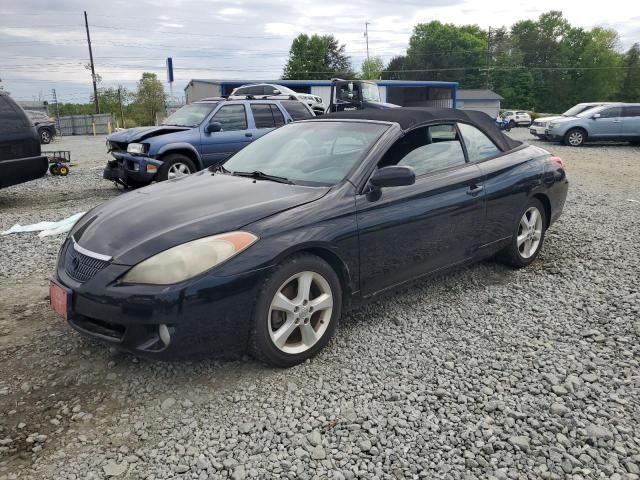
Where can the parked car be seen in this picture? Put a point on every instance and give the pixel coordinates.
(355, 95)
(199, 135)
(45, 125)
(272, 91)
(20, 156)
(517, 118)
(619, 121)
(540, 125)
(266, 253)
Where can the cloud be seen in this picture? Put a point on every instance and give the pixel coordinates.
(44, 44)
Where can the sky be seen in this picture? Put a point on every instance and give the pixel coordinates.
(43, 42)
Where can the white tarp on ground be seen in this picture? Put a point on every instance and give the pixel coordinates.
(46, 228)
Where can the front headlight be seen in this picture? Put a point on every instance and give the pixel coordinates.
(189, 259)
(552, 125)
(136, 148)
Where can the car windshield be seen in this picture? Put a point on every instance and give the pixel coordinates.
(190, 115)
(308, 153)
(576, 109)
(588, 112)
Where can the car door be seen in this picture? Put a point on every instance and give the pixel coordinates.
(608, 125)
(409, 231)
(235, 134)
(631, 122)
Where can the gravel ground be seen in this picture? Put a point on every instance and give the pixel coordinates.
(487, 372)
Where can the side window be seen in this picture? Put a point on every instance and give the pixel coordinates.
(232, 117)
(426, 149)
(269, 89)
(612, 112)
(262, 115)
(9, 119)
(278, 117)
(478, 144)
(241, 91)
(631, 111)
(297, 110)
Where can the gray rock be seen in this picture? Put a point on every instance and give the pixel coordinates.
(168, 403)
(113, 469)
(520, 441)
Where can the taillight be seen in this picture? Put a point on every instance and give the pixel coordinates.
(558, 161)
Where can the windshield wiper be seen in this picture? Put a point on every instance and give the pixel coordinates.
(258, 175)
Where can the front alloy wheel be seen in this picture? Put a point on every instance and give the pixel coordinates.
(297, 311)
(300, 312)
(575, 138)
(45, 137)
(178, 170)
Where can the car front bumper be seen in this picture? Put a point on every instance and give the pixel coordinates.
(206, 316)
(135, 167)
(539, 131)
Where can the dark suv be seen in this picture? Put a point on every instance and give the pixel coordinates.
(20, 156)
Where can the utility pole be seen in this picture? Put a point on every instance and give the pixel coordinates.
(366, 36)
(121, 109)
(93, 71)
(55, 100)
(487, 84)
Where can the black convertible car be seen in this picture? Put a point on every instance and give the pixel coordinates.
(264, 254)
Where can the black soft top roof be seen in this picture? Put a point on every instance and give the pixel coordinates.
(411, 117)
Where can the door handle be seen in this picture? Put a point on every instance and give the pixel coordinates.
(248, 134)
(474, 190)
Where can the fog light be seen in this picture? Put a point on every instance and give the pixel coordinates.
(164, 334)
(152, 169)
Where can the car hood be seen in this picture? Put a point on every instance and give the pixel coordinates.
(142, 223)
(549, 119)
(140, 133)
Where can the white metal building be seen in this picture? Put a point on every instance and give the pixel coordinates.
(481, 99)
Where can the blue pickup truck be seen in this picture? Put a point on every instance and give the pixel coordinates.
(199, 135)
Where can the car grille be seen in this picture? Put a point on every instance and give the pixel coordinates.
(81, 267)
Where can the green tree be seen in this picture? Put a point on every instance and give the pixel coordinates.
(446, 52)
(630, 91)
(149, 99)
(317, 56)
(372, 68)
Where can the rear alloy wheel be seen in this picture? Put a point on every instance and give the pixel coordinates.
(175, 166)
(297, 311)
(528, 236)
(575, 137)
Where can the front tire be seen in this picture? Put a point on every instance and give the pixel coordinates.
(575, 137)
(528, 236)
(297, 311)
(175, 165)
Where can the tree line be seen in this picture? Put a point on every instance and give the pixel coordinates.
(544, 65)
(138, 107)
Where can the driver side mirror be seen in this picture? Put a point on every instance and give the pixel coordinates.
(393, 176)
(596, 115)
(276, 92)
(214, 127)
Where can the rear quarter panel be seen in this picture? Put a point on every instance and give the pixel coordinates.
(510, 180)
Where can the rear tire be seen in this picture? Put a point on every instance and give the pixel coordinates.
(297, 311)
(528, 236)
(175, 165)
(575, 137)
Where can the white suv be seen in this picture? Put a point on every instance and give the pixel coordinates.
(260, 90)
(516, 118)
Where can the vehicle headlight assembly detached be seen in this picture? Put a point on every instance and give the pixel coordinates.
(189, 259)
(136, 148)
